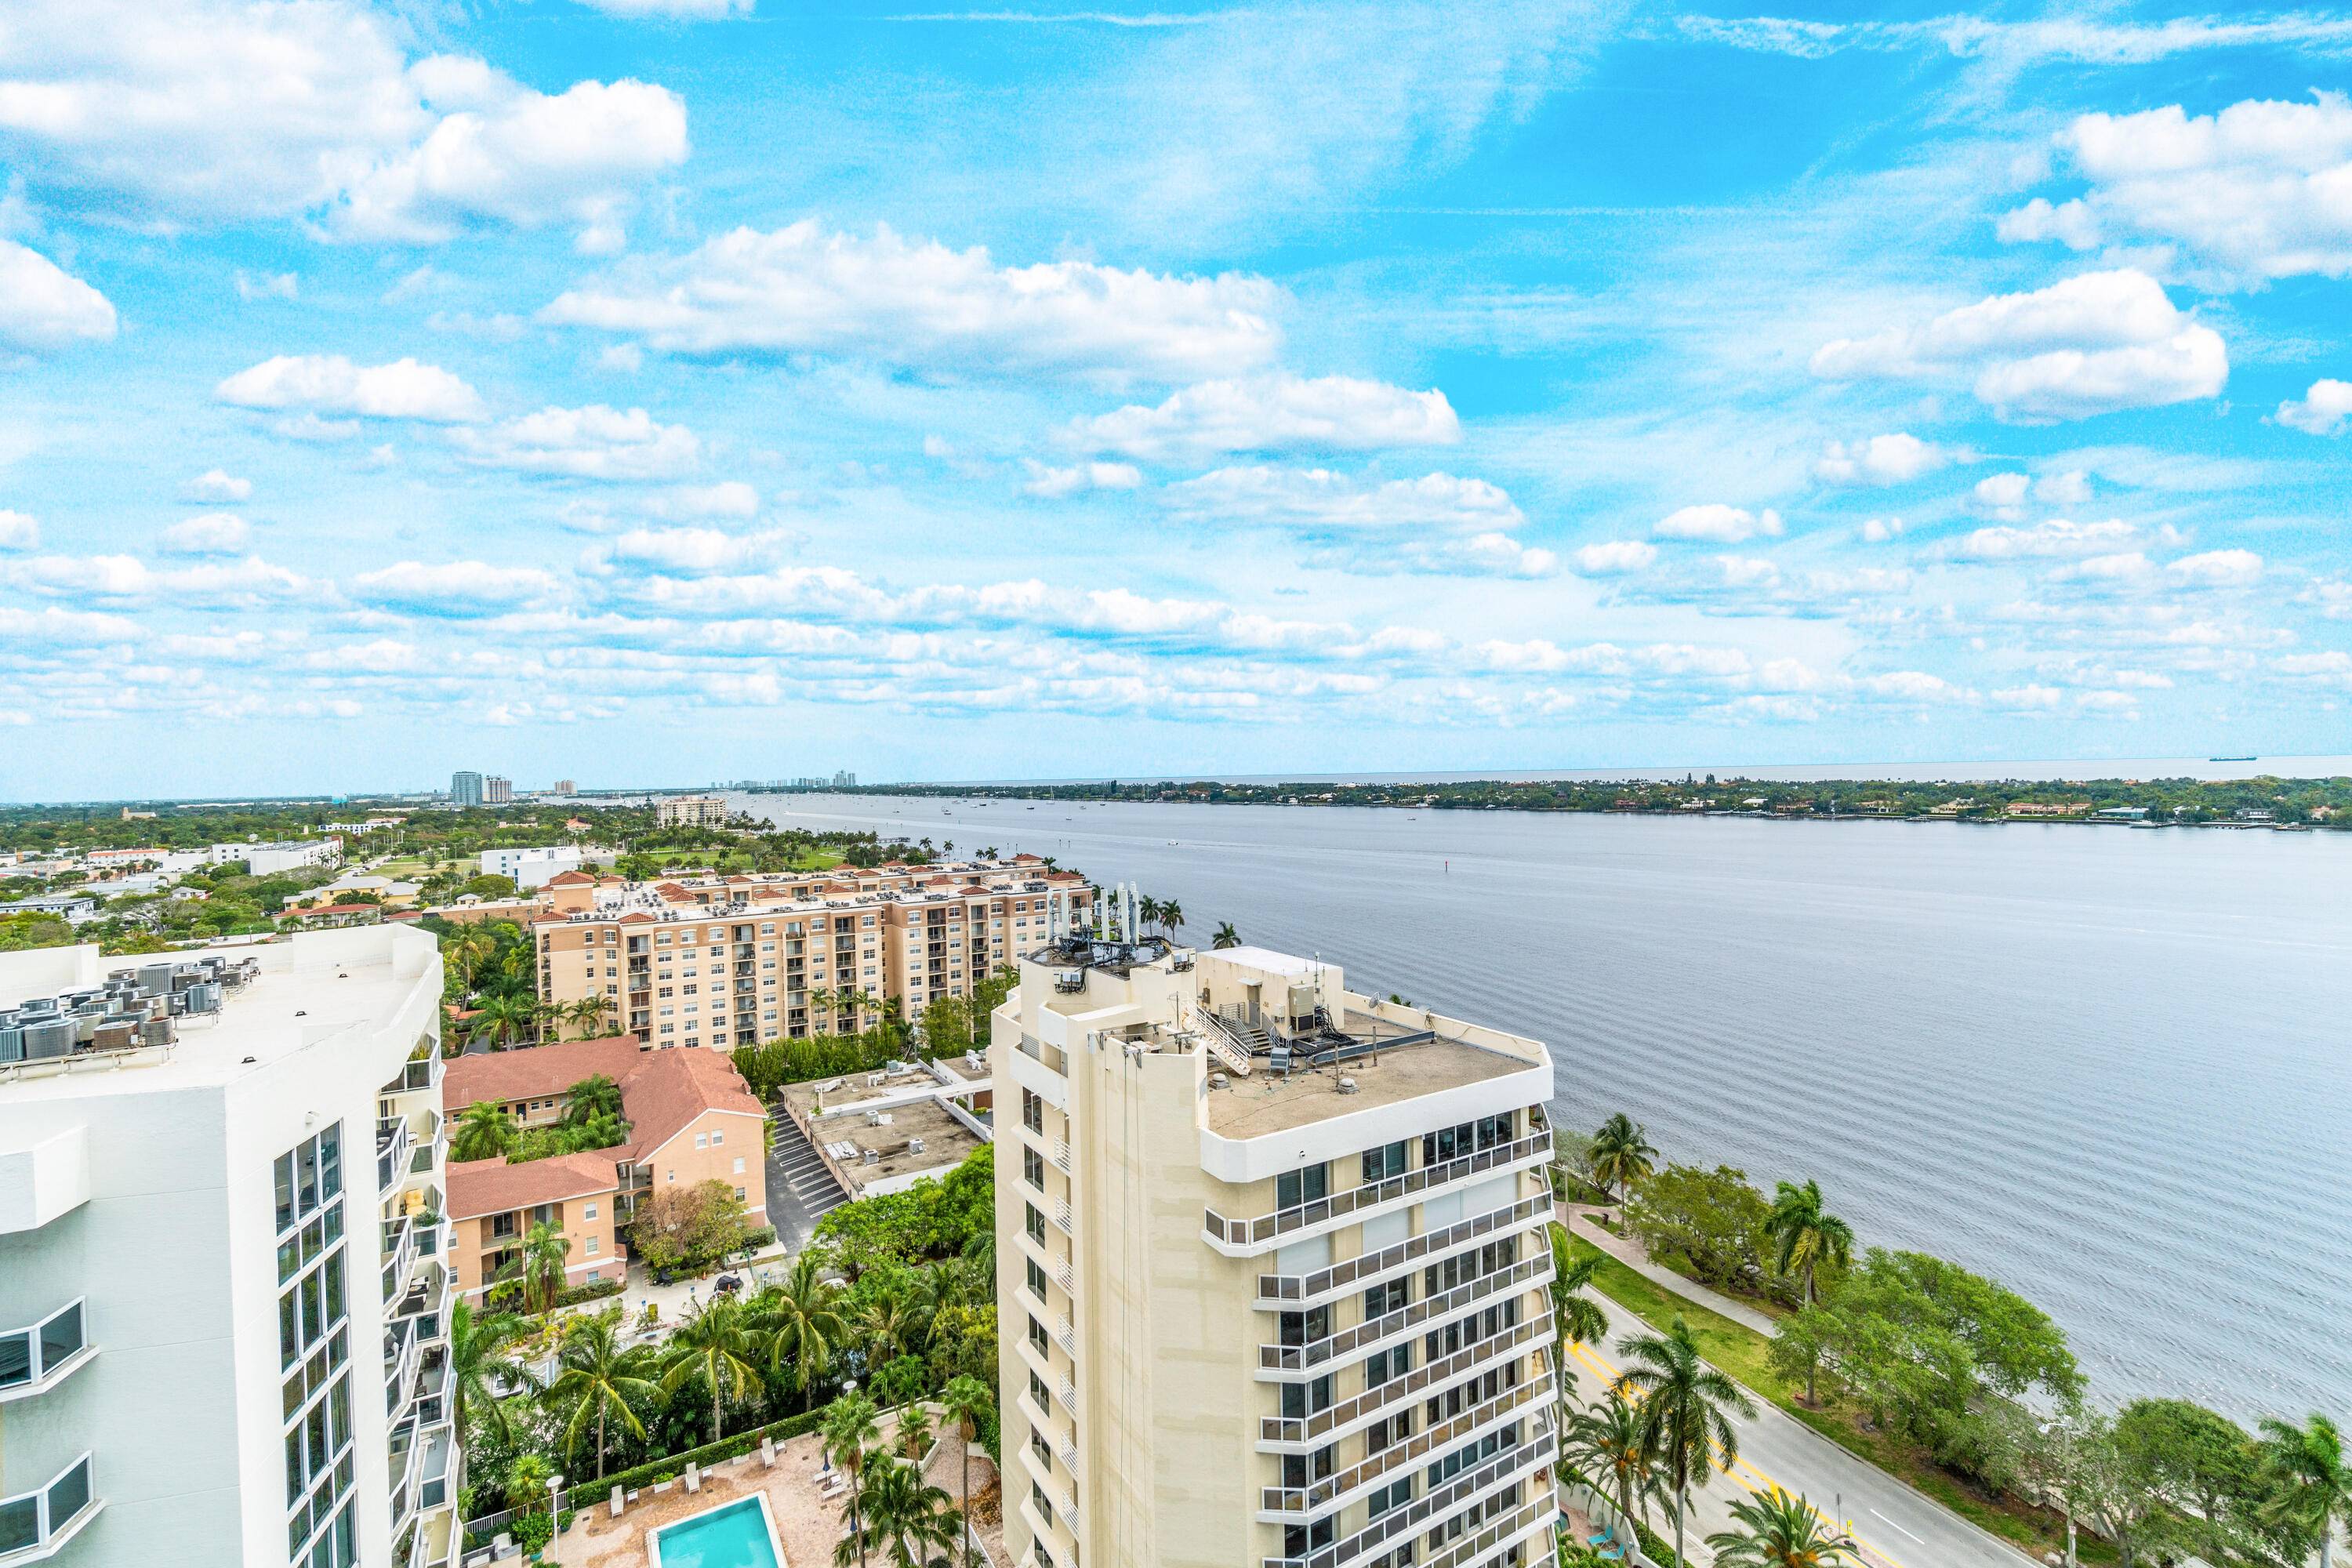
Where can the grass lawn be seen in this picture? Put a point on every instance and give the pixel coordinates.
(1740, 1350)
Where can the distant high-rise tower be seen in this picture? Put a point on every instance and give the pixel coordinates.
(497, 790)
(465, 789)
(566, 787)
(845, 780)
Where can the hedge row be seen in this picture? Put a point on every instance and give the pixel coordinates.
(670, 1468)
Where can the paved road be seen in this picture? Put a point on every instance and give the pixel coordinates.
(1897, 1527)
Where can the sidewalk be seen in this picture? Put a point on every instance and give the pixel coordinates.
(1578, 1218)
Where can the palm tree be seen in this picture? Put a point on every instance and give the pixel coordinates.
(715, 1344)
(540, 1267)
(479, 1365)
(849, 1425)
(2313, 1484)
(600, 1379)
(966, 1402)
(484, 1132)
(1808, 1238)
(1777, 1531)
(1226, 935)
(906, 1513)
(801, 1321)
(1578, 1316)
(588, 1015)
(1686, 1408)
(915, 1431)
(1147, 909)
(1606, 1441)
(1622, 1155)
(593, 1096)
(503, 1019)
(1171, 916)
(889, 1324)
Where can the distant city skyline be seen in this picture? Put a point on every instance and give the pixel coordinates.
(995, 393)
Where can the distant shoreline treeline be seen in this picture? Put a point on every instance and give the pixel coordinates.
(2261, 802)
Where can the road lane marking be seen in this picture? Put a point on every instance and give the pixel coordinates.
(1891, 1524)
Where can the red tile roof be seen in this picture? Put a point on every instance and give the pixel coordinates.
(662, 1093)
(479, 1188)
(572, 880)
(534, 1072)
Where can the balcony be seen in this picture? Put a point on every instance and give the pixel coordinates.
(392, 1142)
(37, 1359)
(1325, 1425)
(433, 1476)
(1500, 1470)
(1062, 1156)
(434, 1543)
(1063, 1220)
(1053, 1056)
(1236, 1236)
(1283, 1289)
(36, 1525)
(1283, 1505)
(1522, 1276)
(399, 1254)
(422, 1074)
(1522, 1520)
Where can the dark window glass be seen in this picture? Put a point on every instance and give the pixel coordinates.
(330, 1162)
(334, 1273)
(285, 1171)
(60, 1337)
(1304, 1186)
(305, 1177)
(1384, 1162)
(15, 1359)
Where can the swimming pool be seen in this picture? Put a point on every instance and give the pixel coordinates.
(739, 1535)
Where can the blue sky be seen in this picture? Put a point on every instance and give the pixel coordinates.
(662, 390)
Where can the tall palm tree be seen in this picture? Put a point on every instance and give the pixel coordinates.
(1578, 1316)
(715, 1344)
(503, 1019)
(889, 1327)
(905, 1513)
(1686, 1408)
(1622, 1155)
(588, 1015)
(802, 1323)
(1147, 909)
(1606, 1441)
(965, 1402)
(540, 1267)
(593, 1096)
(601, 1379)
(2313, 1483)
(1171, 916)
(1226, 935)
(1808, 1236)
(484, 1132)
(479, 1365)
(1777, 1531)
(849, 1429)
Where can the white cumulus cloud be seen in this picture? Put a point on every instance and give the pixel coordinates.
(803, 289)
(2322, 411)
(207, 533)
(216, 485)
(2057, 536)
(1880, 460)
(2091, 345)
(1057, 484)
(457, 588)
(1612, 558)
(1320, 501)
(1719, 524)
(2004, 495)
(325, 385)
(18, 530)
(1274, 413)
(2260, 190)
(43, 308)
(592, 443)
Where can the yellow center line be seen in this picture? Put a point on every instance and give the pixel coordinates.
(1762, 1486)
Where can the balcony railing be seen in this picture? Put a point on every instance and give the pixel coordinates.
(1413, 1516)
(1268, 1228)
(1288, 1287)
(1064, 1218)
(34, 1360)
(1469, 1548)
(1302, 1500)
(37, 1521)
(1062, 1155)
(1523, 1275)
(417, 1075)
(393, 1142)
(1317, 1427)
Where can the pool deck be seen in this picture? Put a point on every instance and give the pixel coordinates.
(807, 1525)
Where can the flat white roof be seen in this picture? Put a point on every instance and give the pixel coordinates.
(1266, 959)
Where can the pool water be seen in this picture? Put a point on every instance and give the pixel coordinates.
(735, 1536)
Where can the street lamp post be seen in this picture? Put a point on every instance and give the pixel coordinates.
(554, 1531)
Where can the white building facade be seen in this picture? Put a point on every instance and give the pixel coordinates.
(193, 1368)
(532, 866)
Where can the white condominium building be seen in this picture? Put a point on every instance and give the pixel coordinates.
(194, 1153)
(1274, 1273)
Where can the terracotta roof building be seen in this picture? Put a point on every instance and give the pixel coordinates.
(691, 1120)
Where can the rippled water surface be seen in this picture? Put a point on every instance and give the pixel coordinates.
(2113, 1068)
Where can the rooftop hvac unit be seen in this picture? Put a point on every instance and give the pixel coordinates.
(157, 1031)
(46, 1040)
(914, 1145)
(115, 1036)
(205, 998)
(873, 1119)
(12, 1044)
(1066, 980)
(154, 978)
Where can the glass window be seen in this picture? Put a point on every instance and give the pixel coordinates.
(1384, 1162)
(1302, 1186)
(284, 1172)
(330, 1160)
(290, 1331)
(1036, 1276)
(305, 1177)
(15, 1359)
(60, 1338)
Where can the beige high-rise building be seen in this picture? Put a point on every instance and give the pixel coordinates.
(691, 810)
(1273, 1271)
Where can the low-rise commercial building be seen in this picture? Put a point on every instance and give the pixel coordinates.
(1272, 1273)
(194, 1156)
(691, 1120)
(532, 866)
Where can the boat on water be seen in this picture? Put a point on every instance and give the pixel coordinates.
(2233, 759)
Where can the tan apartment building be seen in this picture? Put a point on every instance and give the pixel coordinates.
(691, 810)
(1273, 1268)
(721, 962)
(691, 1120)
